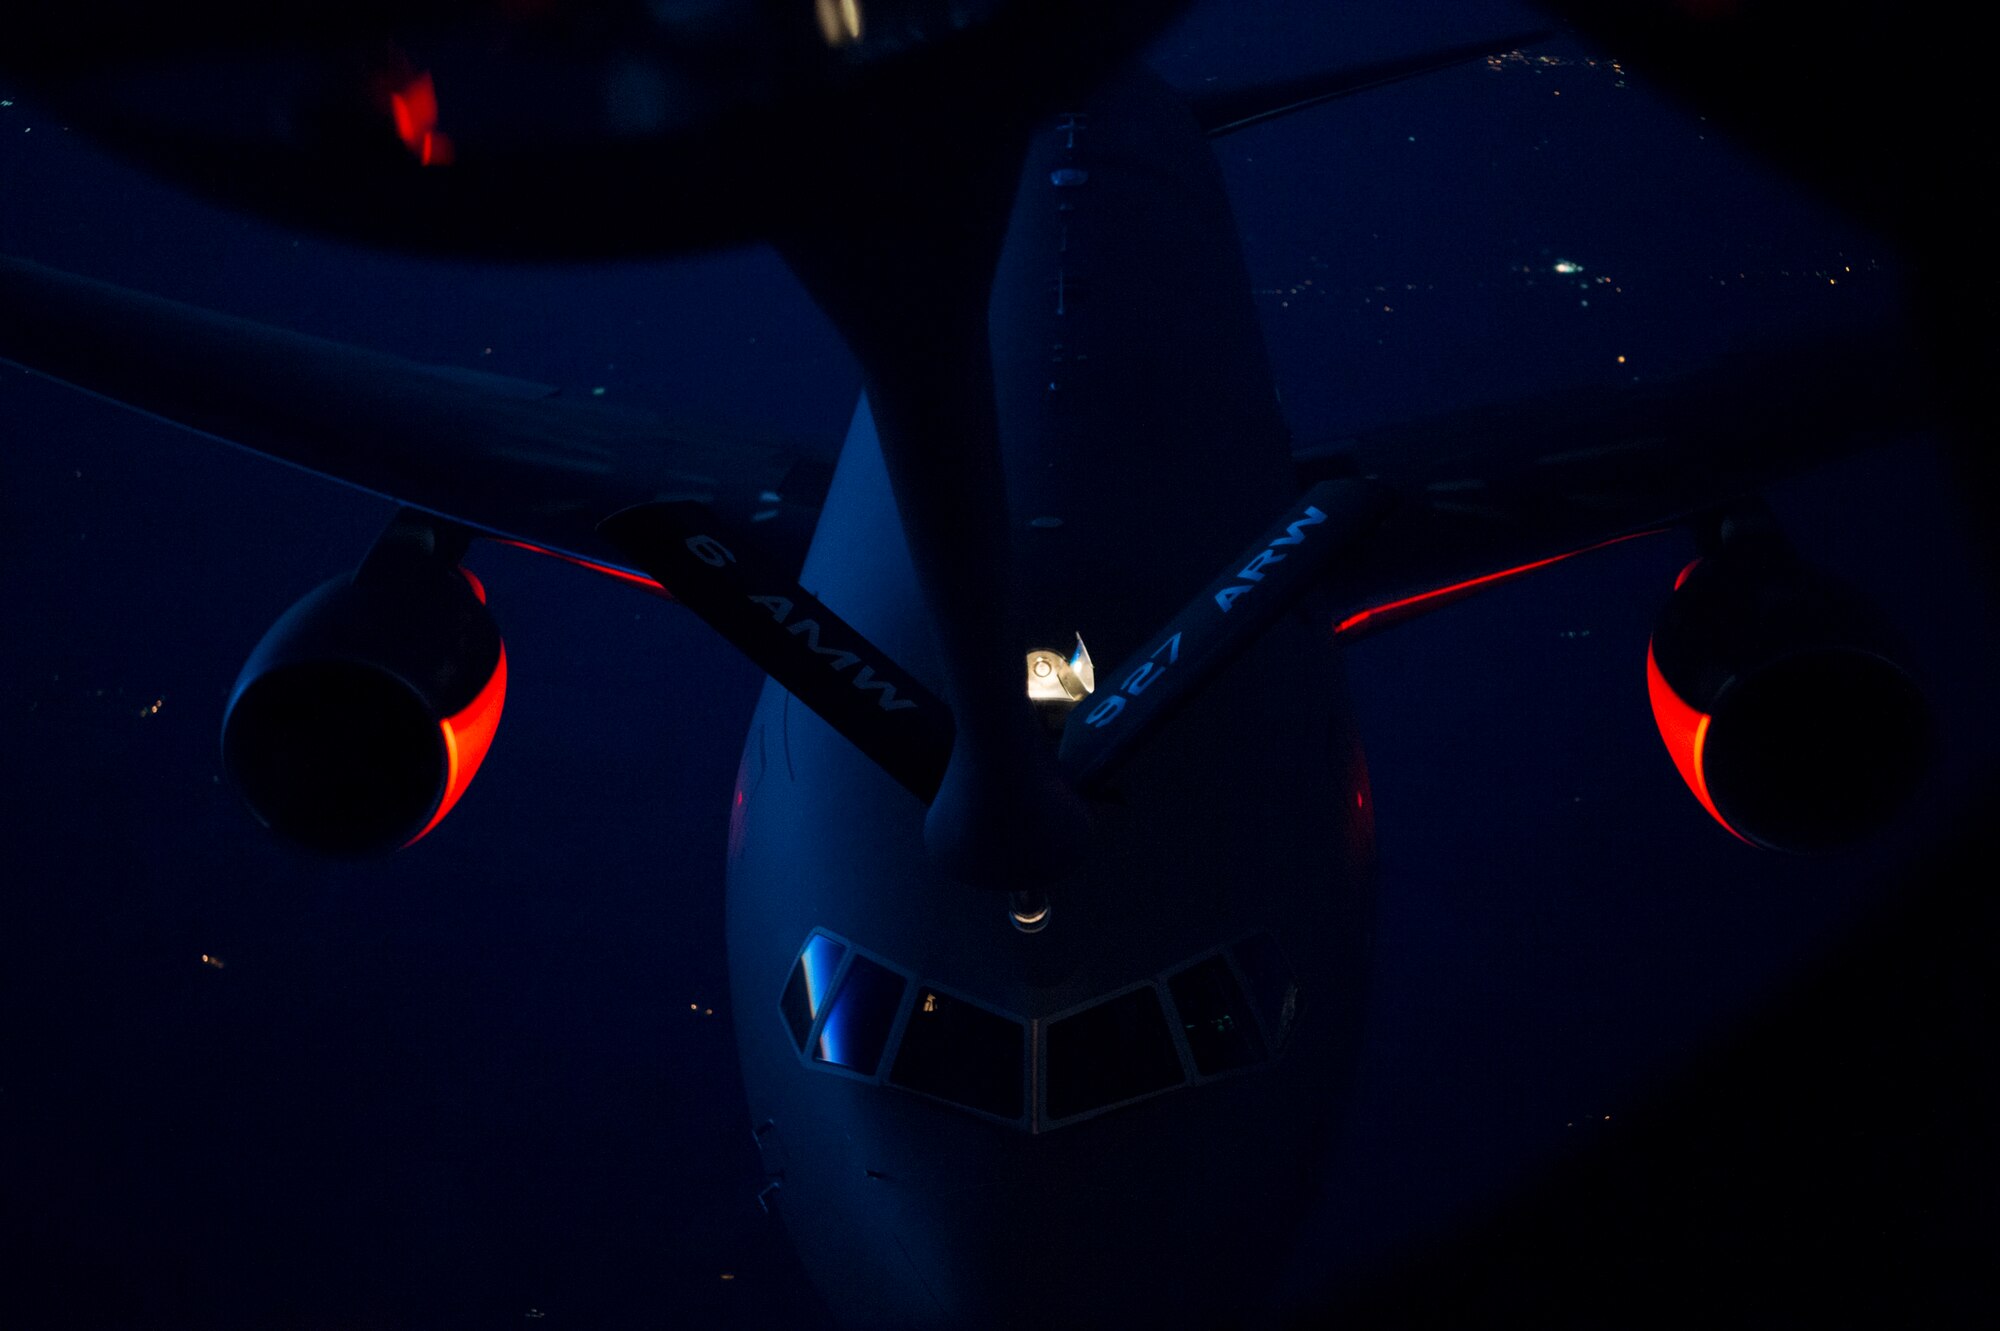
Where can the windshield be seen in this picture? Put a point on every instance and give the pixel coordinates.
(962, 1053)
(1221, 1014)
(1117, 1051)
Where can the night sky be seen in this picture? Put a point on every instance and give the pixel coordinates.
(1612, 1056)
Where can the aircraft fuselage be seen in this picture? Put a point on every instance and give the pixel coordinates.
(1143, 447)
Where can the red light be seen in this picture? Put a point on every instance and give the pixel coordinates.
(478, 587)
(1685, 733)
(1425, 599)
(623, 575)
(416, 111)
(1683, 576)
(468, 734)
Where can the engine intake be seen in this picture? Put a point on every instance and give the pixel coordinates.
(1776, 688)
(363, 714)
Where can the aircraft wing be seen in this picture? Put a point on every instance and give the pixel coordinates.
(501, 456)
(1406, 519)
(719, 524)
(1497, 491)
(1394, 522)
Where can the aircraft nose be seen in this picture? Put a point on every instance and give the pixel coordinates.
(1015, 1255)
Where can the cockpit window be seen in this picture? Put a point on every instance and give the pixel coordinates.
(811, 984)
(1273, 987)
(961, 1052)
(850, 1010)
(1215, 1017)
(857, 1026)
(1119, 1050)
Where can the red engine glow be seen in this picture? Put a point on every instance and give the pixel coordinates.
(1685, 733)
(468, 734)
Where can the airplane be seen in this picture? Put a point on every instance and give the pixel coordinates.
(867, 1135)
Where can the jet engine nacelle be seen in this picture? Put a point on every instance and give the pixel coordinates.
(1776, 689)
(363, 714)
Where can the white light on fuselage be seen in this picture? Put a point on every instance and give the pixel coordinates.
(1080, 666)
(1052, 679)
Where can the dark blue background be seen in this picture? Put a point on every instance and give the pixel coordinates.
(494, 1077)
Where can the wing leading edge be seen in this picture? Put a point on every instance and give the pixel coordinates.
(1495, 492)
(497, 455)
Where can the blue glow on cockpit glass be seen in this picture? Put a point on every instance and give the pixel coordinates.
(832, 1042)
(857, 1025)
(818, 963)
(811, 984)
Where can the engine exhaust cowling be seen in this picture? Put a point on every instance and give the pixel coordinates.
(364, 712)
(1776, 689)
